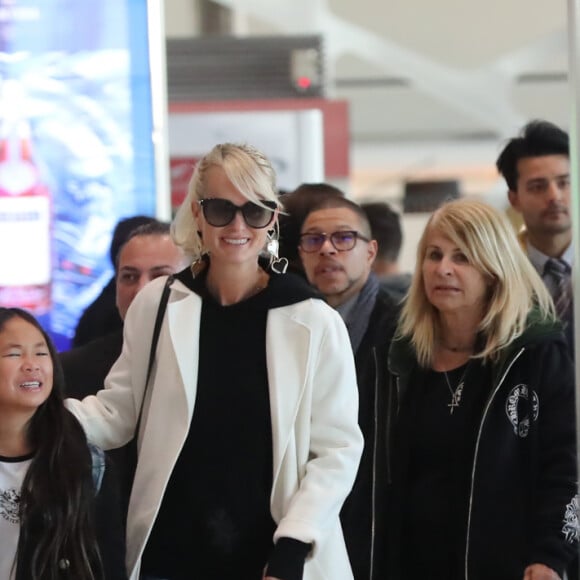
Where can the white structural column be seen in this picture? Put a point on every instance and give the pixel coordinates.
(158, 68)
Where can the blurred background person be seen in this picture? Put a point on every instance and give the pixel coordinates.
(484, 452)
(147, 253)
(249, 442)
(386, 229)
(101, 317)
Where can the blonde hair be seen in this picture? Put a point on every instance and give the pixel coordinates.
(250, 172)
(489, 242)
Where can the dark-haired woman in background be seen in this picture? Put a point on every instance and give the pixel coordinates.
(485, 452)
(59, 512)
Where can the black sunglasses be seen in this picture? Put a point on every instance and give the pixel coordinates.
(221, 212)
(343, 240)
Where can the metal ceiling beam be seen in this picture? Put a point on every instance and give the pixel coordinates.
(483, 94)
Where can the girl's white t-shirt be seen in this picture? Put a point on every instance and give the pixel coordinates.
(12, 473)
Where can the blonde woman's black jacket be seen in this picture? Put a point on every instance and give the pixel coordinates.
(523, 503)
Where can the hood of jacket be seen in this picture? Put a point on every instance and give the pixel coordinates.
(402, 359)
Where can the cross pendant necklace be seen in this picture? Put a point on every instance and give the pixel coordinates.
(455, 396)
(457, 392)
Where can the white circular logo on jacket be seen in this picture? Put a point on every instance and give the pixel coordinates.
(519, 421)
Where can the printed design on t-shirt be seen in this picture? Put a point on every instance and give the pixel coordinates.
(522, 407)
(10, 505)
(571, 527)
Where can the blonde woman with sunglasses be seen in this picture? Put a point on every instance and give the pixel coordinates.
(249, 440)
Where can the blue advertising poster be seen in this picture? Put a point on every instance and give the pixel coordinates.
(76, 151)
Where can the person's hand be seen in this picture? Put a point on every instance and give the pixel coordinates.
(264, 577)
(540, 572)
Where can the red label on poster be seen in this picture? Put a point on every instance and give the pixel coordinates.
(181, 171)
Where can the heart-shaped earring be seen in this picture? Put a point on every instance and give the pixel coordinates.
(279, 266)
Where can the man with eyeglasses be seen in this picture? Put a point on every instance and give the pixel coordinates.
(337, 253)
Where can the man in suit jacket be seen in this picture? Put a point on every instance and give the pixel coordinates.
(536, 167)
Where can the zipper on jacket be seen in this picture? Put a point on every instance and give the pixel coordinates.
(390, 411)
(374, 474)
(477, 441)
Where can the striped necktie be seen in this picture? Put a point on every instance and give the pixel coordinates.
(560, 272)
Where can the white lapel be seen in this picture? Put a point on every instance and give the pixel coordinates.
(184, 316)
(287, 376)
(167, 404)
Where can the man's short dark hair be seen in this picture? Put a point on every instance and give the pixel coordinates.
(297, 205)
(123, 228)
(386, 229)
(536, 139)
(152, 228)
(342, 202)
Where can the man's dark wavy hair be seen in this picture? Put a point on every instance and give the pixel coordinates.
(537, 138)
(56, 504)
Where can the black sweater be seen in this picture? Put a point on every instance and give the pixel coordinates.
(219, 491)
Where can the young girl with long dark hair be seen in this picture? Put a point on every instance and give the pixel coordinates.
(59, 514)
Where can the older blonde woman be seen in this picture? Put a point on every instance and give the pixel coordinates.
(249, 442)
(484, 476)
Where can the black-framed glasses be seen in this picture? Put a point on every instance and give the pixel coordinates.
(343, 240)
(221, 212)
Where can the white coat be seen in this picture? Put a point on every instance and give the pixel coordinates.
(314, 413)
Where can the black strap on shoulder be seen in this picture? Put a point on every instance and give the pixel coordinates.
(156, 330)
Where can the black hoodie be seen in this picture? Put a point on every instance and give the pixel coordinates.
(522, 500)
